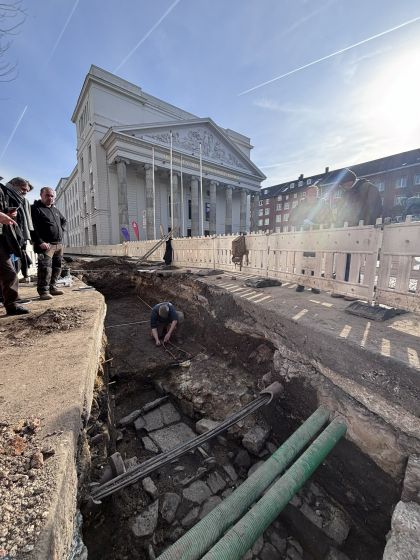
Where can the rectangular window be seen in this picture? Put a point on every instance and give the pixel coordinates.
(90, 154)
(260, 212)
(278, 218)
(295, 195)
(279, 206)
(380, 185)
(338, 193)
(82, 164)
(417, 179)
(267, 211)
(295, 203)
(207, 211)
(286, 206)
(292, 186)
(285, 217)
(94, 235)
(267, 201)
(92, 203)
(189, 210)
(399, 200)
(260, 222)
(91, 180)
(267, 221)
(278, 229)
(261, 202)
(287, 197)
(279, 197)
(308, 181)
(401, 183)
(300, 184)
(303, 195)
(266, 191)
(86, 236)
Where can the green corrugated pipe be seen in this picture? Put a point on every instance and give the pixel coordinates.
(206, 532)
(247, 530)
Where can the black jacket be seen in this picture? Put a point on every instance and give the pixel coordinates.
(49, 224)
(361, 202)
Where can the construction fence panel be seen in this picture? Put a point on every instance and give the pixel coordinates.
(399, 270)
(140, 248)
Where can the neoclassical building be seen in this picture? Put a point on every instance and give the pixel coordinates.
(140, 159)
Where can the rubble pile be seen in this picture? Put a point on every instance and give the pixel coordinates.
(24, 482)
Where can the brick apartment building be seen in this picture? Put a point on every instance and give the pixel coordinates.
(397, 177)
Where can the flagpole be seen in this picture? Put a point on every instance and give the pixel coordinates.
(182, 203)
(172, 192)
(201, 191)
(154, 191)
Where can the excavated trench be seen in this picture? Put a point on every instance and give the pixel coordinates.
(342, 513)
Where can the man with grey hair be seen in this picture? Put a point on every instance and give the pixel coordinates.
(164, 320)
(49, 227)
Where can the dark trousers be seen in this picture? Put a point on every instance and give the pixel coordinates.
(49, 267)
(9, 282)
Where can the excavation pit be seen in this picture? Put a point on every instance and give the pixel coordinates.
(344, 509)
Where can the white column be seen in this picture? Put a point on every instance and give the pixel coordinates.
(212, 220)
(176, 203)
(122, 194)
(228, 218)
(255, 206)
(149, 202)
(242, 211)
(194, 206)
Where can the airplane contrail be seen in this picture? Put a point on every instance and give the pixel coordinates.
(330, 55)
(142, 40)
(13, 132)
(62, 32)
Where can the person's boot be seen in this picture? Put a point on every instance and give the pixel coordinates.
(45, 295)
(54, 291)
(16, 310)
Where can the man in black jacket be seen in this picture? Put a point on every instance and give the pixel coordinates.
(49, 226)
(10, 244)
(360, 200)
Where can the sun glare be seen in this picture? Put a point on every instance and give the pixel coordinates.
(392, 100)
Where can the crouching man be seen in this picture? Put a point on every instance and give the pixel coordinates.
(164, 320)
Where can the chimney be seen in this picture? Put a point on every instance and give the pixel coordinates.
(301, 177)
(327, 169)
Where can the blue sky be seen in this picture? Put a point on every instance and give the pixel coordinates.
(201, 55)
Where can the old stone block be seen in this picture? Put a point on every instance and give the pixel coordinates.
(153, 420)
(411, 487)
(190, 518)
(255, 439)
(242, 459)
(169, 414)
(171, 436)
(139, 424)
(406, 519)
(205, 425)
(169, 506)
(334, 554)
(150, 487)
(210, 504)
(230, 471)
(268, 552)
(197, 493)
(149, 445)
(131, 463)
(258, 545)
(278, 542)
(145, 523)
(216, 482)
(129, 419)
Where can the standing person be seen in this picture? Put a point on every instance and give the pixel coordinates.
(360, 201)
(49, 227)
(10, 244)
(17, 189)
(168, 256)
(310, 212)
(164, 320)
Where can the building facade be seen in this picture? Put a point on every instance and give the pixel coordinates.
(397, 178)
(142, 160)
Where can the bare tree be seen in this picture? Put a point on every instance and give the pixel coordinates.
(12, 17)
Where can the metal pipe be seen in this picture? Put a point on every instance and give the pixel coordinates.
(206, 532)
(244, 534)
(143, 470)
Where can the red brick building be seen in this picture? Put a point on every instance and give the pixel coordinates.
(397, 178)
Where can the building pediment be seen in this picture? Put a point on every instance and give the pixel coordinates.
(216, 146)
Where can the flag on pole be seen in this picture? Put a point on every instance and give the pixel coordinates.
(125, 233)
(135, 227)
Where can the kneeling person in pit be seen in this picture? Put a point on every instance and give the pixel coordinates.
(164, 320)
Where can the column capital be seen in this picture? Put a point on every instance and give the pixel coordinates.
(122, 160)
(195, 178)
(148, 166)
(214, 183)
